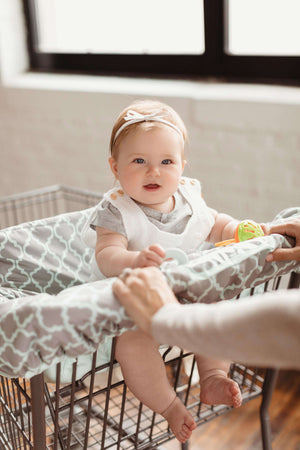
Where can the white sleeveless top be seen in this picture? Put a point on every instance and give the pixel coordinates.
(141, 232)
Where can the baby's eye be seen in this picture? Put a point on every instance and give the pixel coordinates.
(166, 161)
(139, 160)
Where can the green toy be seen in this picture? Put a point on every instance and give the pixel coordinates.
(247, 229)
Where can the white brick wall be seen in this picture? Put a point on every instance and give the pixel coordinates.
(250, 166)
(49, 137)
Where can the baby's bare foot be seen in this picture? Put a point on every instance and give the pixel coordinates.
(180, 420)
(220, 390)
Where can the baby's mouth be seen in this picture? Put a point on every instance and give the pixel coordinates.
(151, 187)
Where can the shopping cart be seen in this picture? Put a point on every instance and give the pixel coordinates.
(97, 410)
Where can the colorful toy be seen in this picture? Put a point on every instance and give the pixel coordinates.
(247, 229)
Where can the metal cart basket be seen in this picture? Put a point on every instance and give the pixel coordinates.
(98, 410)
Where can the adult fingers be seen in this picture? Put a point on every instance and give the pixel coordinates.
(158, 289)
(130, 287)
(284, 254)
(149, 273)
(134, 307)
(291, 228)
(121, 291)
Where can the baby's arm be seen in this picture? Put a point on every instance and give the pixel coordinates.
(112, 254)
(224, 227)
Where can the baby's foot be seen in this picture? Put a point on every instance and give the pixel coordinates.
(180, 420)
(220, 390)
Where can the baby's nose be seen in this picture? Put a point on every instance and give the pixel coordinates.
(153, 170)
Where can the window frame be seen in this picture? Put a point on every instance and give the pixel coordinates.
(214, 63)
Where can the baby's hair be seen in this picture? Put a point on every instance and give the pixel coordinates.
(145, 107)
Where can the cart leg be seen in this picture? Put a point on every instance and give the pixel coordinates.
(38, 412)
(294, 281)
(268, 388)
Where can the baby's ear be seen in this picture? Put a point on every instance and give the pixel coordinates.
(183, 165)
(113, 166)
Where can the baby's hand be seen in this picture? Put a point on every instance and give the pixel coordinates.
(150, 256)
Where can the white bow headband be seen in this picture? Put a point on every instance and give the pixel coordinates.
(135, 117)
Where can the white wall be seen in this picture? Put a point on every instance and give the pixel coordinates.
(244, 140)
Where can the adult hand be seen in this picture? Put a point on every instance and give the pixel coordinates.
(143, 292)
(290, 228)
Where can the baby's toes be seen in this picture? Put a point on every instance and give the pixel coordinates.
(234, 388)
(236, 395)
(189, 422)
(237, 401)
(186, 431)
(181, 437)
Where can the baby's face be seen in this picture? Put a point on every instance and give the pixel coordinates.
(149, 166)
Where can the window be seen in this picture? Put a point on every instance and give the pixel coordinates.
(163, 27)
(264, 27)
(231, 39)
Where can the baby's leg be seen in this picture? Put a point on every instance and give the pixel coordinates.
(145, 374)
(215, 386)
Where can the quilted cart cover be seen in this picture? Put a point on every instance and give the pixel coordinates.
(50, 310)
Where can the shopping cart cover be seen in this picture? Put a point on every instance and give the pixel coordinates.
(45, 255)
(48, 314)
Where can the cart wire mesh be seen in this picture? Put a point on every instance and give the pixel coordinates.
(45, 202)
(82, 415)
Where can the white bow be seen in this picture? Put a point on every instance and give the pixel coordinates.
(135, 117)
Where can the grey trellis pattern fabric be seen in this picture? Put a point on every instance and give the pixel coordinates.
(40, 330)
(222, 274)
(67, 318)
(45, 255)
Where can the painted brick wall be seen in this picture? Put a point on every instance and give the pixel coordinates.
(249, 163)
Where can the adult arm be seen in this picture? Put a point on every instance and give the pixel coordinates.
(263, 330)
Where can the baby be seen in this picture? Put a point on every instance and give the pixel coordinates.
(152, 209)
